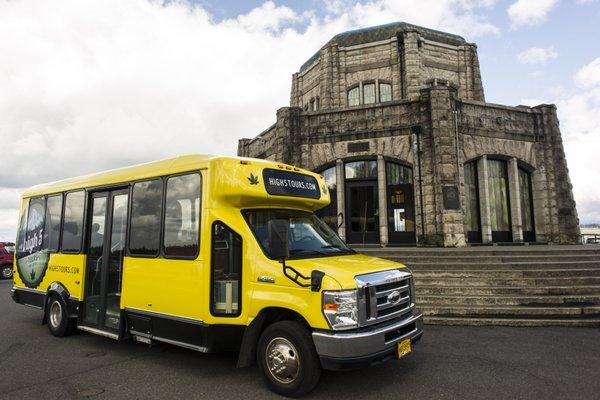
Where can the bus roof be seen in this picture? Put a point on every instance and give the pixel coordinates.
(234, 187)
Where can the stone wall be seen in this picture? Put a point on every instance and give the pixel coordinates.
(438, 106)
(407, 60)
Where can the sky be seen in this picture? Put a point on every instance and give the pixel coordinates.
(88, 85)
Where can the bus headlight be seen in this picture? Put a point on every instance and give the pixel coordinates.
(340, 309)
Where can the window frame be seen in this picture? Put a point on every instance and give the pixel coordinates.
(375, 90)
(360, 159)
(379, 83)
(211, 277)
(161, 218)
(43, 197)
(164, 216)
(62, 212)
(351, 88)
(84, 220)
(164, 179)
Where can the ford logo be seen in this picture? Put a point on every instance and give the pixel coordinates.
(394, 297)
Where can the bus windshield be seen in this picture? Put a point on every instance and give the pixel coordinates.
(308, 236)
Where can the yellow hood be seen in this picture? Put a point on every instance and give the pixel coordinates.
(344, 268)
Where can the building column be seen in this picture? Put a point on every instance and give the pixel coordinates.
(515, 200)
(341, 201)
(484, 200)
(382, 197)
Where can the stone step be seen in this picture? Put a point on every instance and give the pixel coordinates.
(493, 259)
(510, 311)
(482, 251)
(576, 322)
(424, 290)
(512, 300)
(515, 266)
(507, 273)
(493, 281)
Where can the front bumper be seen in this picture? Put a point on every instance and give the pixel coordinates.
(360, 348)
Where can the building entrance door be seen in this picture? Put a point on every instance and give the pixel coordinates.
(499, 201)
(362, 214)
(401, 214)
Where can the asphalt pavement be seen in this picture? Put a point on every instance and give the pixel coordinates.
(448, 363)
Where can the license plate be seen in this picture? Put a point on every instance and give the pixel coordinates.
(403, 348)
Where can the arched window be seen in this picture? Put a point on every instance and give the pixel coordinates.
(361, 170)
(329, 213)
(368, 93)
(385, 92)
(398, 174)
(354, 96)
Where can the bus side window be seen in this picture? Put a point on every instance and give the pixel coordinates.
(182, 216)
(72, 230)
(146, 208)
(35, 225)
(22, 232)
(52, 224)
(226, 271)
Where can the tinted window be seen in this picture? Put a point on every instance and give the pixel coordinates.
(146, 210)
(182, 215)
(22, 232)
(398, 174)
(329, 212)
(226, 262)
(73, 222)
(52, 224)
(361, 169)
(35, 225)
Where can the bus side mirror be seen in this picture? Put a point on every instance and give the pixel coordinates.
(278, 239)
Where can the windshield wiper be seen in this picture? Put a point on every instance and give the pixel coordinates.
(340, 248)
(306, 251)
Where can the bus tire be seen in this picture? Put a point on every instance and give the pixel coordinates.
(6, 271)
(287, 359)
(59, 322)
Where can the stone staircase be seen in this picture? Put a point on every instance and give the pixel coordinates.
(504, 285)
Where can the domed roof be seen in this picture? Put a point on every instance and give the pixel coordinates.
(383, 32)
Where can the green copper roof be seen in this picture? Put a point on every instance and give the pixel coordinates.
(383, 32)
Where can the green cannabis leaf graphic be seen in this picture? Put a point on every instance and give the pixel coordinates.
(324, 189)
(253, 179)
(32, 275)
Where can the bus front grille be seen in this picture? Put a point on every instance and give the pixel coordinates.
(384, 296)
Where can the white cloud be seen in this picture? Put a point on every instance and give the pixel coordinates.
(580, 125)
(456, 16)
(99, 84)
(530, 12)
(537, 55)
(589, 75)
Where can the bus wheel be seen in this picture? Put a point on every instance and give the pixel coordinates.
(58, 321)
(6, 271)
(287, 359)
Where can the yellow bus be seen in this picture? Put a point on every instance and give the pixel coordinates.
(213, 254)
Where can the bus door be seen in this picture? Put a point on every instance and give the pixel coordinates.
(107, 227)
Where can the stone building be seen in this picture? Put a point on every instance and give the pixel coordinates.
(394, 117)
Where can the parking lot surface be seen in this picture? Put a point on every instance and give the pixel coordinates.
(448, 363)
